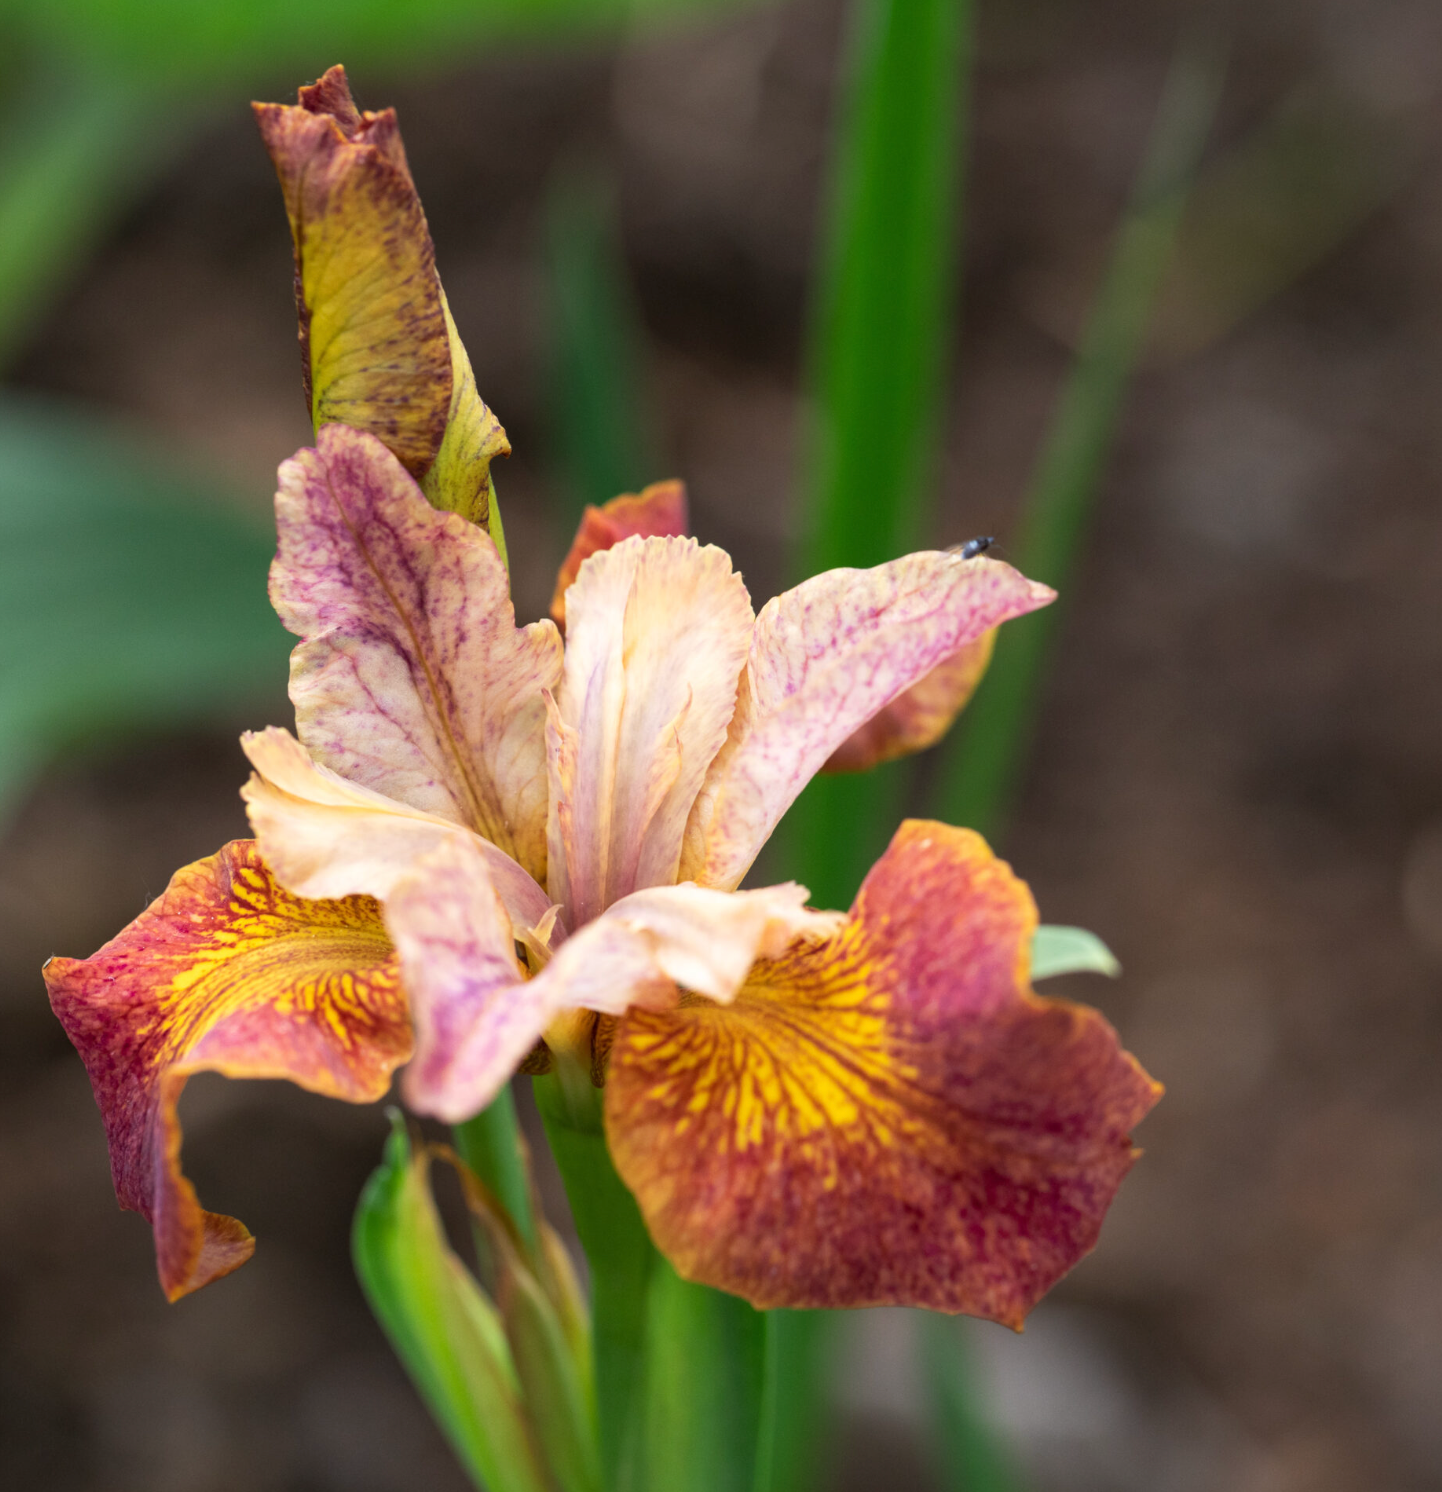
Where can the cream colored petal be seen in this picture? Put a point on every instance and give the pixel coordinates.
(657, 631)
(706, 940)
(325, 837)
(826, 657)
(412, 677)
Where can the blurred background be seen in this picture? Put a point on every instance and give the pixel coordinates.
(1236, 777)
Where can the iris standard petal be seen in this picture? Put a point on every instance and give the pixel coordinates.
(412, 677)
(657, 631)
(225, 972)
(324, 836)
(887, 1118)
(920, 716)
(826, 658)
(659, 509)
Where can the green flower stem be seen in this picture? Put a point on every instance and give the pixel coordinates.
(702, 1387)
(622, 1259)
(493, 1147)
(981, 764)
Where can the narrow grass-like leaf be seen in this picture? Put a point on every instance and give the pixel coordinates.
(878, 354)
(795, 1381)
(981, 763)
(596, 394)
(1070, 950)
(448, 1335)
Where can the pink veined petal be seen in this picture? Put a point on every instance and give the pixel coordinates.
(322, 836)
(411, 677)
(826, 657)
(657, 631)
(475, 1016)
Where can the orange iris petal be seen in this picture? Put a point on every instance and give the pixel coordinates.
(225, 972)
(886, 1117)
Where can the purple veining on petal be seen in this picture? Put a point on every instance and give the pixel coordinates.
(411, 678)
(825, 658)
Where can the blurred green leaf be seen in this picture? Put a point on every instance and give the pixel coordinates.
(877, 360)
(448, 1335)
(797, 1365)
(132, 594)
(596, 339)
(71, 157)
(980, 763)
(1070, 950)
(206, 45)
(969, 1454)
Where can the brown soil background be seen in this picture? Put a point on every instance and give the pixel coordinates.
(1237, 778)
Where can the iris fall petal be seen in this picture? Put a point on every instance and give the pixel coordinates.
(224, 972)
(888, 1117)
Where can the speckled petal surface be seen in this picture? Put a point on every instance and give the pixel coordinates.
(920, 716)
(412, 677)
(826, 658)
(659, 509)
(377, 353)
(890, 1117)
(657, 630)
(324, 836)
(225, 972)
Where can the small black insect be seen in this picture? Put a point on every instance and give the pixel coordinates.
(974, 547)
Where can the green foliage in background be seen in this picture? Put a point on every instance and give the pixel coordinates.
(132, 593)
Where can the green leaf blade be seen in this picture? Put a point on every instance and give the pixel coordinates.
(448, 1335)
(1070, 950)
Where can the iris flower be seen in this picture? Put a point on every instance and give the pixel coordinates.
(493, 847)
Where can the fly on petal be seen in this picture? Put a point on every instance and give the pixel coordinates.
(225, 972)
(826, 657)
(889, 1117)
